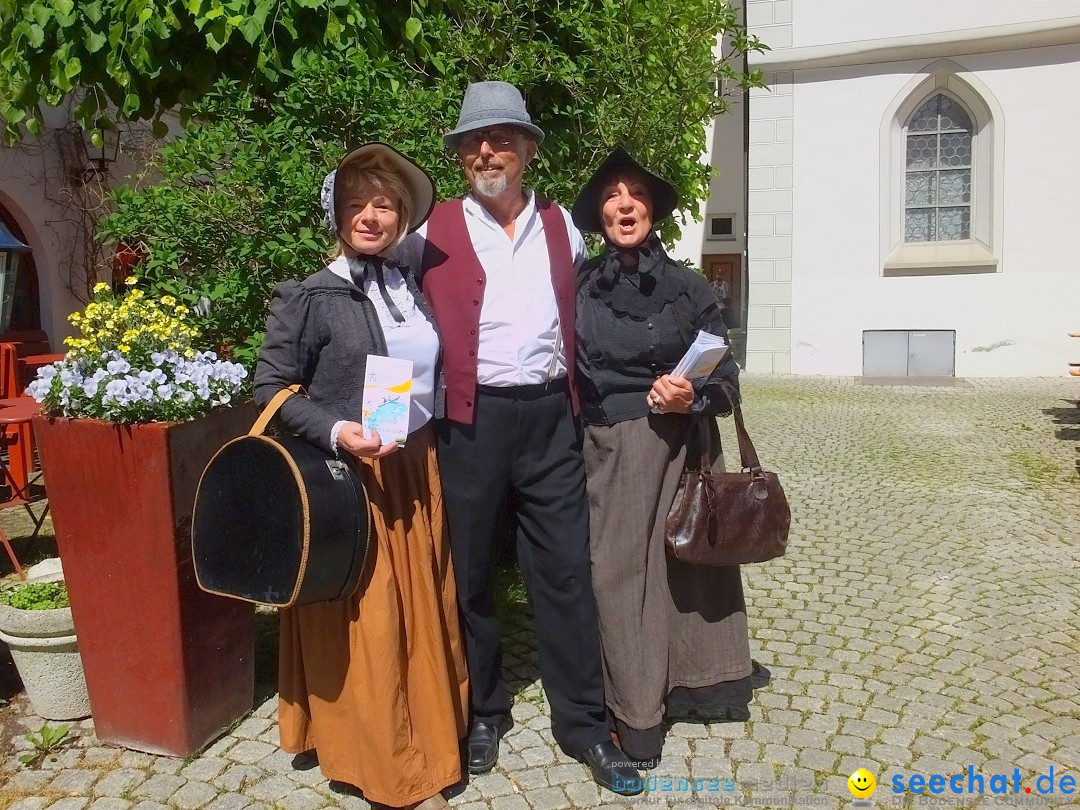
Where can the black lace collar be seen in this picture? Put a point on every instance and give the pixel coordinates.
(634, 281)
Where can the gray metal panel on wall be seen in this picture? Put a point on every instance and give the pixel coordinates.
(885, 353)
(931, 353)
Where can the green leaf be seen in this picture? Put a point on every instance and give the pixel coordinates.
(131, 104)
(92, 11)
(35, 36)
(73, 68)
(250, 29)
(216, 35)
(94, 41)
(64, 7)
(413, 27)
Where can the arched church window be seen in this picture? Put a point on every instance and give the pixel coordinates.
(938, 172)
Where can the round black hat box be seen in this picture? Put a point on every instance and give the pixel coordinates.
(279, 521)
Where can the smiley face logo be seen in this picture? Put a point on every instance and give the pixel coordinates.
(862, 784)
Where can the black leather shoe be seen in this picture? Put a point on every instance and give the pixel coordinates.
(611, 769)
(482, 747)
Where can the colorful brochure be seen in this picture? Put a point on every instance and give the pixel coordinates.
(387, 394)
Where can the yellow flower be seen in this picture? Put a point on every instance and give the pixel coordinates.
(181, 310)
(168, 300)
(124, 347)
(100, 287)
(131, 281)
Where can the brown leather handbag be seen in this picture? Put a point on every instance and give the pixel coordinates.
(727, 518)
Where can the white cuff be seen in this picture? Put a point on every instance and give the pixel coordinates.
(334, 431)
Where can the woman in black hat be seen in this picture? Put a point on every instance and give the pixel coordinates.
(375, 683)
(674, 636)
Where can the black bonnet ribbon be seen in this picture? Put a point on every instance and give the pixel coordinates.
(359, 273)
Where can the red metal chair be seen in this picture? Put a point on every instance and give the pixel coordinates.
(15, 416)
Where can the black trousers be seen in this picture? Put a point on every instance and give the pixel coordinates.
(524, 448)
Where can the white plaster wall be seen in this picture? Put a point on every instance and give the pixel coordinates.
(727, 189)
(29, 190)
(819, 22)
(1011, 323)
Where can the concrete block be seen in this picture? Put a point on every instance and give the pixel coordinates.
(761, 178)
(760, 270)
(773, 340)
(772, 107)
(785, 129)
(760, 225)
(764, 294)
(771, 154)
(759, 317)
(763, 130)
(759, 362)
(759, 14)
(763, 202)
(769, 247)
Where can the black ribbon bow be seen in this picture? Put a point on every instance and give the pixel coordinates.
(363, 265)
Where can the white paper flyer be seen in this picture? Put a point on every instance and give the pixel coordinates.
(702, 358)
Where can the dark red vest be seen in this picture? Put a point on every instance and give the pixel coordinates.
(454, 283)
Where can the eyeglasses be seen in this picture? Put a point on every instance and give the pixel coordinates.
(497, 138)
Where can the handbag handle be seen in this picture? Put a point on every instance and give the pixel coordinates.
(747, 453)
(272, 408)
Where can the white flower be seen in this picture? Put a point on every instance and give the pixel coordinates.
(118, 366)
(38, 389)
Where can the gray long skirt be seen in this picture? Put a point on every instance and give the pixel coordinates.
(671, 633)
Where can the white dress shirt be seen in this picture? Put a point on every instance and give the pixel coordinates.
(414, 339)
(518, 316)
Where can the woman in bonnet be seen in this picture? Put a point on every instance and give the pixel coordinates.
(674, 636)
(376, 683)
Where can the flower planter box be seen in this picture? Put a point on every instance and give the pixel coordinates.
(168, 667)
(43, 646)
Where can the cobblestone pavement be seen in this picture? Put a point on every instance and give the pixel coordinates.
(924, 620)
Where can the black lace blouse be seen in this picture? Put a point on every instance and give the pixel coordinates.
(637, 313)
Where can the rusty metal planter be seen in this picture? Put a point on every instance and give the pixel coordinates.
(168, 667)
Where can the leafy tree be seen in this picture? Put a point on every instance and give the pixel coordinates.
(233, 208)
(143, 57)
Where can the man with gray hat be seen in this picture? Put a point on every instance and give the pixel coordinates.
(498, 268)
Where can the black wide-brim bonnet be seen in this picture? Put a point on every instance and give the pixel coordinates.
(586, 210)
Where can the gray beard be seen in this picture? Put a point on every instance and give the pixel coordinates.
(490, 188)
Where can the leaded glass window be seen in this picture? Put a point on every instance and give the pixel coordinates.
(937, 204)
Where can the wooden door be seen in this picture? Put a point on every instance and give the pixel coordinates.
(724, 272)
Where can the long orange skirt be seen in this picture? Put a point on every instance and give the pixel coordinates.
(377, 683)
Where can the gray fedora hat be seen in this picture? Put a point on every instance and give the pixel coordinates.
(492, 104)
